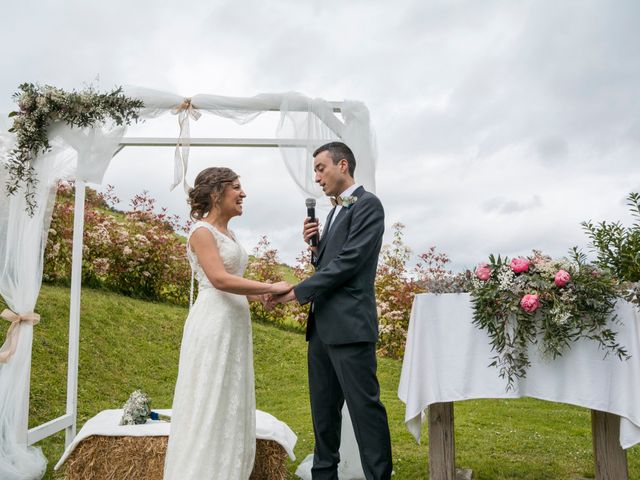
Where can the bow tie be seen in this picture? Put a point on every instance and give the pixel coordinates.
(343, 201)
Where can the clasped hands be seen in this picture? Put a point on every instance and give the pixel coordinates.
(279, 292)
(310, 229)
(283, 291)
(271, 299)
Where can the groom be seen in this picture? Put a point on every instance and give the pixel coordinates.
(342, 328)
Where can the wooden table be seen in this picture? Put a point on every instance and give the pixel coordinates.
(447, 358)
(610, 458)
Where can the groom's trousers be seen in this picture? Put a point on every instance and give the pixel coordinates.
(347, 372)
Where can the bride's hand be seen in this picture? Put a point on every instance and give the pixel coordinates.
(280, 288)
(263, 298)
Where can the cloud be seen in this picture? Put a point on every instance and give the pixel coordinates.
(506, 207)
(551, 149)
(500, 126)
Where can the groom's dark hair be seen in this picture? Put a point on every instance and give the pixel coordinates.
(338, 151)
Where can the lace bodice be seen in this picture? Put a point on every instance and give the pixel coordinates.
(233, 256)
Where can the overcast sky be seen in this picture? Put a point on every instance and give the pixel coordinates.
(501, 125)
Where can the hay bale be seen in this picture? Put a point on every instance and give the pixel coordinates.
(142, 458)
(115, 458)
(271, 461)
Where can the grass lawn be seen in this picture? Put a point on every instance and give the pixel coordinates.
(127, 344)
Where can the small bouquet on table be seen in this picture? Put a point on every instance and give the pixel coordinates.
(137, 410)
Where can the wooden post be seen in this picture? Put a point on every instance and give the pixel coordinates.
(442, 453)
(74, 311)
(610, 458)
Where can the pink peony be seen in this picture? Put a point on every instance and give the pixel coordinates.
(562, 278)
(519, 265)
(483, 271)
(530, 303)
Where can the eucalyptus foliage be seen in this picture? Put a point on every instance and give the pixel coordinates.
(38, 107)
(618, 249)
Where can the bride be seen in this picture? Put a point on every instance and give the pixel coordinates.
(213, 423)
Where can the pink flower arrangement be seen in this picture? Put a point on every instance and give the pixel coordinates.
(535, 295)
(530, 303)
(562, 278)
(483, 272)
(519, 265)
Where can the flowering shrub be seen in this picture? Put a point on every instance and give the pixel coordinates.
(136, 253)
(545, 301)
(432, 275)
(302, 269)
(264, 267)
(139, 253)
(396, 286)
(394, 295)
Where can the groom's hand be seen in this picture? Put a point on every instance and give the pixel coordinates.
(285, 297)
(310, 229)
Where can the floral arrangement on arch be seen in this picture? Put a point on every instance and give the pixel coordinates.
(38, 107)
(538, 300)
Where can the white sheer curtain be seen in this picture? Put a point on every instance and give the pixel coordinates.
(309, 121)
(76, 153)
(313, 122)
(300, 119)
(240, 110)
(20, 245)
(360, 137)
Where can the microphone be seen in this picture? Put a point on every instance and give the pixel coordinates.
(311, 213)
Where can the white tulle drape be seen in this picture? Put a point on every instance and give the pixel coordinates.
(76, 153)
(85, 154)
(311, 122)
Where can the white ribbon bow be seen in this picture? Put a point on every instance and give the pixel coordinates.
(181, 156)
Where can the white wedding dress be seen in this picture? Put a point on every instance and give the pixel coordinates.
(213, 430)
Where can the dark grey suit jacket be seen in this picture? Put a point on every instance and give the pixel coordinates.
(342, 288)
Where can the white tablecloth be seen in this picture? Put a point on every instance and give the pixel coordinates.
(447, 357)
(106, 423)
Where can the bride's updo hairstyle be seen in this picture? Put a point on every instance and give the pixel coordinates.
(208, 189)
